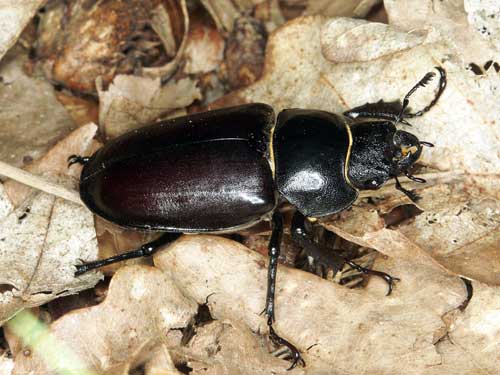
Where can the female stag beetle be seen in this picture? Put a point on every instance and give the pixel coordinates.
(227, 169)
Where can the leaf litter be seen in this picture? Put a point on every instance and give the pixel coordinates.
(313, 62)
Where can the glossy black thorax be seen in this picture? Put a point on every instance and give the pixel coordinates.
(311, 148)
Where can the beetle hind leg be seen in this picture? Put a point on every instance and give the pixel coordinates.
(145, 250)
(274, 252)
(328, 259)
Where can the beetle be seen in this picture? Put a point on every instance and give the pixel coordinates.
(227, 169)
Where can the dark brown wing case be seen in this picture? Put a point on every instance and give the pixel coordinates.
(204, 172)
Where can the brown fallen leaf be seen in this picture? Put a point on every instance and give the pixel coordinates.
(142, 306)
(470, 28)
(31, 118)
(82, 41)
(161, 363)
(14, 16)
(356, 8)
(133, 101)
(346, 330)
(222, 347)
(6, 364)
(43, 237)
(204, 48)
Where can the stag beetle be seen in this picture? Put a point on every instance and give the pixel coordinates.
(227, 169)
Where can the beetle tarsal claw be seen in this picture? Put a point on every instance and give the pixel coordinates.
(77, 159)
(387, 278)
(280, 341)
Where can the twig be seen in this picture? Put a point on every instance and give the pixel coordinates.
(39, 183)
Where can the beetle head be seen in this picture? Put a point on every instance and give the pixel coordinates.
(403, 151)
(381, 152)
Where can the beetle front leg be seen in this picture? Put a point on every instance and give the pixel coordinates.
(329, 259)
(77, 159)
(274, 252)
(145, 250)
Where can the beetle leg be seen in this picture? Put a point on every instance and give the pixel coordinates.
(303, 238)
(332, 260)
(274, 252)
(414, 178)
(387, 278)
(145, 250)
(414, 197)
(77, 159)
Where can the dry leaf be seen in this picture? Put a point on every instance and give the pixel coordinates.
(204, 48)
(340, 8)
(31, 118)
(55, 161)
(43, 237)
(468, 26)
(161, 363)
(41, 241)
(142, 306)
(352, 330)
(133, 101)
(6, 364)
(102, 39)
(14, 16)
(353, 40)
(224, 348)
(175, 10)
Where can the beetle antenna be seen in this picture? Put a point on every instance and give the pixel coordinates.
(416, 179)
(422, 83)
(428, 144)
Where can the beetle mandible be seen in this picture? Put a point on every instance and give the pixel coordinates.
(227, 169)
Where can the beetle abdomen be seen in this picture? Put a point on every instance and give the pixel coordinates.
(208, 186)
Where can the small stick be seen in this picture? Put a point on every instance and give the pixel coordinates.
(39, 183)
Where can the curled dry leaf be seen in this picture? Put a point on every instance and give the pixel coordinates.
(334, 327)
(204, 48)
(178, 13)
(133, 101)
(43, 237)
(31, 118)
(14, 16)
